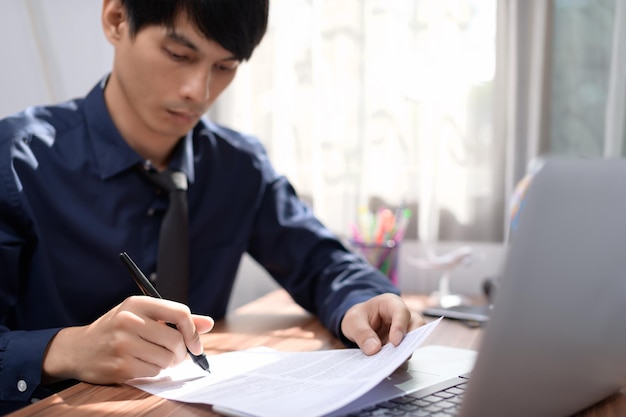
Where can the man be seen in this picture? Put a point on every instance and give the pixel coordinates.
(72, 197)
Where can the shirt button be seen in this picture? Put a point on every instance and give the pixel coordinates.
(21, 385)
(153, 277)
(151, 212)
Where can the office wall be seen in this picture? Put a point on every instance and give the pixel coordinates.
(486, 261)
(50, 51)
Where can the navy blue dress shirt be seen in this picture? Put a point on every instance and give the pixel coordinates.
(71, 200)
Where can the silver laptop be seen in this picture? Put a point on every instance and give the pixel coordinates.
(556, 341)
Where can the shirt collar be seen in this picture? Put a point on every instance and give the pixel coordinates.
(182, 158)
(112, 153)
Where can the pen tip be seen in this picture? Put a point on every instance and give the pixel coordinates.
(202, 362)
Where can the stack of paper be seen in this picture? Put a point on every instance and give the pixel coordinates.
(266, 383)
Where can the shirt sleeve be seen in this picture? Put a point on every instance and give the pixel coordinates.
(309, 261)
(21, 358)
(21, 352)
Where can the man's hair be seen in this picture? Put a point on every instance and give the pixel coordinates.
(237, 25)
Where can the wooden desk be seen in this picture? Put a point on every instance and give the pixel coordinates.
(273, 320)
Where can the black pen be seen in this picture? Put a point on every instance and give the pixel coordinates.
(149, 290)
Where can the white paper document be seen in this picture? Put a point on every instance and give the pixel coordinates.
(267, 383)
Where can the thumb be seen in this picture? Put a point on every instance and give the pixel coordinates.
(204, 324)
(358, 329)
(369, 343)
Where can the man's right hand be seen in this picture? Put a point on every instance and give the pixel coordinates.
(129, 341)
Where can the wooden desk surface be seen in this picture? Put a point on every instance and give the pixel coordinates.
(274, 321)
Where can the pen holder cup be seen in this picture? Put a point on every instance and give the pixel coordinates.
(383, 256)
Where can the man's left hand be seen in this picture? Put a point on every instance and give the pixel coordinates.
(379, 320)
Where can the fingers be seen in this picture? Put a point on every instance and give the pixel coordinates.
(129, 341)
(357, 327)
(384, 318)
(204, 324)
(191, 332)
(188, 326)
(144, 339)
(104, 352)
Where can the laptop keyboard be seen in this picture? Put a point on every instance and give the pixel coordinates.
(444, 403)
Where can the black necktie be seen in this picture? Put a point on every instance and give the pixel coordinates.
(173, 255)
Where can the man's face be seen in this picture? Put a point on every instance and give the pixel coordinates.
(164, 79)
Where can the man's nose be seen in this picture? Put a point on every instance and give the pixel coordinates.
(196, 87)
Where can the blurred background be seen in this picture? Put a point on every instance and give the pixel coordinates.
(436, 105)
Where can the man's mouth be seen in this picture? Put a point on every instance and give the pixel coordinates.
(184, 116)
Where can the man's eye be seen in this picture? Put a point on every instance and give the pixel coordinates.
(177, 57)
(227, 66)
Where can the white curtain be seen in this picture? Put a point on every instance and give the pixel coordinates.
(372, 102)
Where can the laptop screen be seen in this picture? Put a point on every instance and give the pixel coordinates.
(556, 342)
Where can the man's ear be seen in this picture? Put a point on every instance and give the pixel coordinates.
(114, 20)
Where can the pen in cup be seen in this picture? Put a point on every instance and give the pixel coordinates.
(147, 289)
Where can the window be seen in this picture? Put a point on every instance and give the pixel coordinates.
(375, 102)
